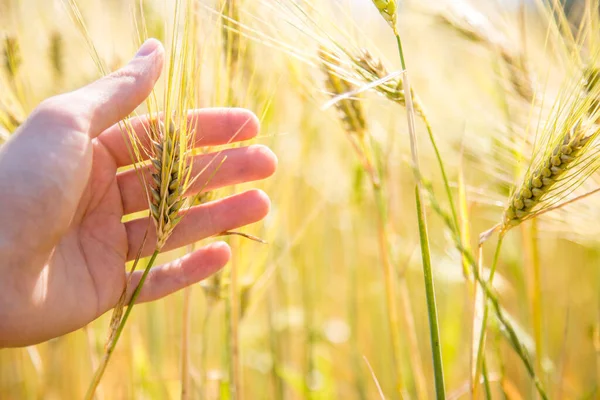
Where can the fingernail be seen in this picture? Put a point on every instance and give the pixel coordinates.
(147, 48)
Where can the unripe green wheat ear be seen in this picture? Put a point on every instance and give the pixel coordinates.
(387, 9)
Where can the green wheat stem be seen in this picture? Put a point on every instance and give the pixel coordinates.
(436, 150)
(513, 337)
(424, 239)
(432, 314)
(486, 380)
(113, 343)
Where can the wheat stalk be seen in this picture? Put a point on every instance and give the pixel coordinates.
(352, 116)
(170, 154)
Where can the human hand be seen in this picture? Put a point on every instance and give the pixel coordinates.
(63, 245)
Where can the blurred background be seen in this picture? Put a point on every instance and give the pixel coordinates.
(305, 315)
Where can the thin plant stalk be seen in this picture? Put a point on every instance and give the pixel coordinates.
(235, 367)
(493, 300)
(390, 285)
(355, 124)
(480, 359)
(390, 279)
(185, 344)
(424, 238)
(185, 339)
(486, 380)
(359, 382)
(228, 390)
(308, 305)
(411, 333)
(535, 291)
(274, 348)
(204, 347)
(112, 343)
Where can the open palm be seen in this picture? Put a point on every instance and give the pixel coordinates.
(63, 244)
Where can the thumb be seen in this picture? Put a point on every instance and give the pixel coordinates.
(45, 166)
(108, 100)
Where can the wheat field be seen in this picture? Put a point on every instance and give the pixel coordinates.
(490, 288)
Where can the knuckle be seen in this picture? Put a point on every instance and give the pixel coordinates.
(60, 111)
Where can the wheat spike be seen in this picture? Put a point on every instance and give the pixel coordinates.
(388, 9)
(166, 188)
(350, 110)
(545, 176)
(371, 69)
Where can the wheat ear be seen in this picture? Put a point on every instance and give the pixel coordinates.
(166, 188)
(544, 177)
(388, 10)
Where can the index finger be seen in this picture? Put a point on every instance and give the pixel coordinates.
(214, 127)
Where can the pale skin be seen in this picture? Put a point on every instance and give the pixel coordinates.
(63, 245)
